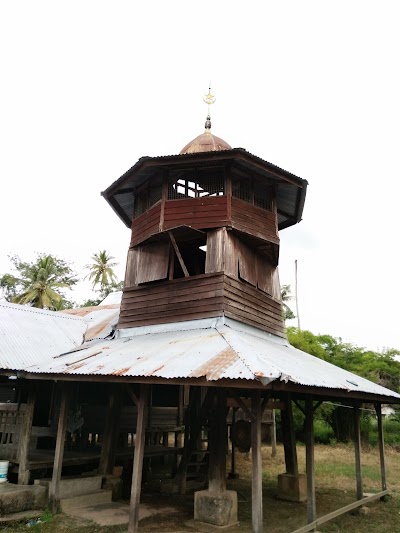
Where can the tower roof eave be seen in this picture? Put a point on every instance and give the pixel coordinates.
(291, 189)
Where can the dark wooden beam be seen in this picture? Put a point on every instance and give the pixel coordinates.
(310, 467)
(111, 431)
(232, 473)
(357, 449)
(54, 489)
(217, 445)
(289, 439)
(131, 394)
(178, 254)
(378, 409)
(273, 434)
(138, 459)
(256, 480)
(240, 403)
(275, 388)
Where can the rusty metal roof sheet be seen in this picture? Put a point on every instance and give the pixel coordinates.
(30, 336)
(213, 349)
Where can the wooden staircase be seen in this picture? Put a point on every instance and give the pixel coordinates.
(193, 467)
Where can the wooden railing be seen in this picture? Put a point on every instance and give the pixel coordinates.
(11, 421)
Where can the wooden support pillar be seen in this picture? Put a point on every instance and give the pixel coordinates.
(378, 409)
(111, 430)
(357, 446)
(217, 445)
(24, 439)
(142, 408)
(289, 438)
(310, 467)
(232, 473)
(256, 481)
(54, 489)
(273, 434)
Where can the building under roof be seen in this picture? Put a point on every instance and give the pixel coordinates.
(201, 308)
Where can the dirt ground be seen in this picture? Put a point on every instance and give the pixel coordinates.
(335, 483)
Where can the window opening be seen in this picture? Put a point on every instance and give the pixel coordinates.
(147, 196)
(252, 191)
(196, 183)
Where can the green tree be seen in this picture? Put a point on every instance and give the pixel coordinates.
(286, 296)
(103, 293)
(39, 283)
(101, 270)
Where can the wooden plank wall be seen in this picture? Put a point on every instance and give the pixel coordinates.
(199, 213)
(146, 225)
(204, 296)
(247, 304)
(11, 418)
(172, 301)
(254, 220)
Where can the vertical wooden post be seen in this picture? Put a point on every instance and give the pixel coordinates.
(217, 443)
(138, 458)
(54, 489)
(232, 473)
(111, 430)
(289, 438)
(273, 434)
(256, 481)
(24, 439)
(378, 409)
(309, 426)
(357, 446)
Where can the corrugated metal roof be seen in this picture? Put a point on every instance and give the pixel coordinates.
(101, 320)
(30, 336)
(213, 349)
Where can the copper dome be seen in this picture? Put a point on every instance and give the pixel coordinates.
(206, 142)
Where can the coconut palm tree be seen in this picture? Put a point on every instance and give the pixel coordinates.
(41, 283)
(101, 270)
(286, 295)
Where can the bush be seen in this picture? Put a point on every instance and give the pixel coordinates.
(323, 433)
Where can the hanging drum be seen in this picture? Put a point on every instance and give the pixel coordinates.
(241, 435)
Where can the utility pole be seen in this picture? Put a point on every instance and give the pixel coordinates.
(296, 295)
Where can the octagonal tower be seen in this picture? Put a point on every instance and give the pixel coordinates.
(205, 237)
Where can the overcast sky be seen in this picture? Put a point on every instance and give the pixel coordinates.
(88, 87)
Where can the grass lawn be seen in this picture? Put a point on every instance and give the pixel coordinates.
(335, 487)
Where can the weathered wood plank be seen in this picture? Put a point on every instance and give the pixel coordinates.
(111, 430)
(256, 459)
(217, 445)
(357, 449)
(260, 312)
(152, 262)
(334, 514)
(194, 281)
(24, 439)
(310, 467)
(289, 438)
(54, 489)
(138, 459)
(378, 409)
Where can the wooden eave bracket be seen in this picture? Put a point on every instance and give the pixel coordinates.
(315, 407)
(240, 403)
(131, 394)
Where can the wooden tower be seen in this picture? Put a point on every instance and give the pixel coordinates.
(205, 237)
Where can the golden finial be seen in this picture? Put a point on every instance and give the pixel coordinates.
(208, 99)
